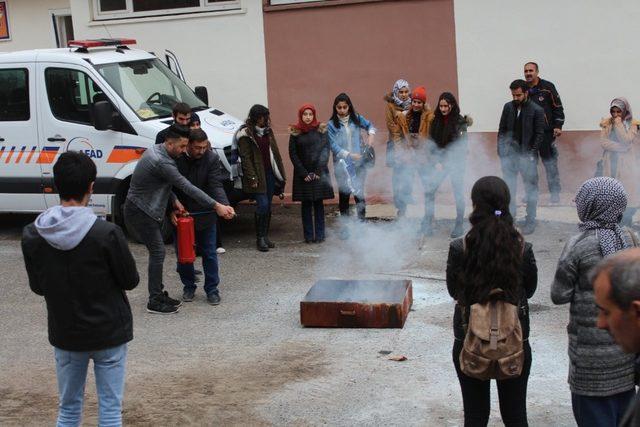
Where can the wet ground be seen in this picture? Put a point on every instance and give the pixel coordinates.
(249, 362)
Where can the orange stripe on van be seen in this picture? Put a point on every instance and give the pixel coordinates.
(125, 154)
(20, 154)
(8, 159)
(33, 150)
(47, 155)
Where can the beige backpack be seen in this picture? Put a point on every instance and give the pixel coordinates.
(492, 345)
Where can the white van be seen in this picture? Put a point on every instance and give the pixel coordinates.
(50, 103)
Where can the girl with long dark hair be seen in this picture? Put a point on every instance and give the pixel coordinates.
(262, 168)
(492, 255)
(349, 147)
(309, 153)
(447, 152)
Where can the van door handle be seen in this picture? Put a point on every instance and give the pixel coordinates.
(56, 139)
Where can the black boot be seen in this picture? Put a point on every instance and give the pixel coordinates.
(266, 234)
(261, 229)
(458, 229)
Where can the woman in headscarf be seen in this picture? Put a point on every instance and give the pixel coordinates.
(309, 153)
(618, 139)
(601, 375)
(397, 102)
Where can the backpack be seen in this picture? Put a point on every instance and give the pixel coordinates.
(493, 344)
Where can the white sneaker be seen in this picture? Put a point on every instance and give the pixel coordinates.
(221, 250)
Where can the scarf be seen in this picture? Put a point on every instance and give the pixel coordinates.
(600, 203)
(396, 88)
(623, 104)
(260, 131)
(302, 126)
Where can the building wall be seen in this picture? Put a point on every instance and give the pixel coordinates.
(222, 51)
(30, 24)
(315, 53)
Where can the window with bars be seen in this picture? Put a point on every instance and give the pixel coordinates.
(122, 9)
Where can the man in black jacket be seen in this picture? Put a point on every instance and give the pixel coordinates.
(82, 266)
(519, 137)
(202, 167)
(544, 93)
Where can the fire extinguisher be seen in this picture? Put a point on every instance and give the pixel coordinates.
(186, 240)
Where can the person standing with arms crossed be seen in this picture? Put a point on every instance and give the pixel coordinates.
(544, 93)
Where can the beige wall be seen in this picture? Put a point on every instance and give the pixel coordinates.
(30, 24)
(222, 51)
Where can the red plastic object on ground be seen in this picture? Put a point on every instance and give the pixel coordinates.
(186, 240)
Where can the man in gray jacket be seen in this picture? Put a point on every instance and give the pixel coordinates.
(150, 196)
(616, 281)
(520, 135)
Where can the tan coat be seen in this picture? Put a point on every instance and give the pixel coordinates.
(627, 153)
(253, 171)
(391, 113)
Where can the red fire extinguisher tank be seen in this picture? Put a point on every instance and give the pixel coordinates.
(186, 240)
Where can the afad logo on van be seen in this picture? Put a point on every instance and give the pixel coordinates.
(84, 146)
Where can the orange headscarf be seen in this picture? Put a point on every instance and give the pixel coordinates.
(302, 126)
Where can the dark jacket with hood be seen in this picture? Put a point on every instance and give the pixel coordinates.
(309, 152)
(82, 266)
(253, 170)
(207, 174)
(529, 271)
(524, 137)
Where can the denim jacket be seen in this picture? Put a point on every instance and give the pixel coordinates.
(340, 145)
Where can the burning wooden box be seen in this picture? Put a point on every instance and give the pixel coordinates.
(357, 304)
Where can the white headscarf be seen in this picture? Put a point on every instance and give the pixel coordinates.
(396, 88)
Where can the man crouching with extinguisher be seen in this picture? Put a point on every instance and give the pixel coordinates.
(202, 167)
(150, 192)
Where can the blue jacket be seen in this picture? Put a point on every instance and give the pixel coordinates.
(340, 145)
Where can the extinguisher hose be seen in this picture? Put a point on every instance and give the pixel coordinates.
(201, 213)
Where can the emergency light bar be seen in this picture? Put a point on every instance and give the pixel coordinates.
(85, 44)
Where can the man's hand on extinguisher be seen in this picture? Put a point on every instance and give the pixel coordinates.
(224, 211)
(179, 207)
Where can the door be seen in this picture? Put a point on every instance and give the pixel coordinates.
(62, 24)
(20, 156)
(67, 124)
(174, 65)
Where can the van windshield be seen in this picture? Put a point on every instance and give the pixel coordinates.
(149, 87)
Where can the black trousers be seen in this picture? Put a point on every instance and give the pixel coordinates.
(549, 157)
(512, 394)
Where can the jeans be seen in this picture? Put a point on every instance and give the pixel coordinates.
(549, 157)
(432, 179)
(402, 183)
(512, 394)
(526, 165)
(605, 411)
(206, 247)
(148, 231)
(109, 369)
(263, 200)
(309, 210)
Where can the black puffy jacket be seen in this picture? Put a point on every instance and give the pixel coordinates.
(84, 287)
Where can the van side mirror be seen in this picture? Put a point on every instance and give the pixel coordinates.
(102, 115)
(202, 94)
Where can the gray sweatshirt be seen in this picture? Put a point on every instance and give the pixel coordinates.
(597, 365)
(153, 178)
(65, 227)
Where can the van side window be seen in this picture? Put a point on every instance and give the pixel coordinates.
(14, 95)
(72, 94)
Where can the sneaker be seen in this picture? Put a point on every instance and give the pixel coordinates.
(168, 300)
(213, 299)
(161, 307)
(528, 228)
(188, 295)
(457, 231)
(221, 250)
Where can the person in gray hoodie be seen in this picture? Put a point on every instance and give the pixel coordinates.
(601, 375)
(150, 195)
(82, 266)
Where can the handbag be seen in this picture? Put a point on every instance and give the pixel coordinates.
(368, 156)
